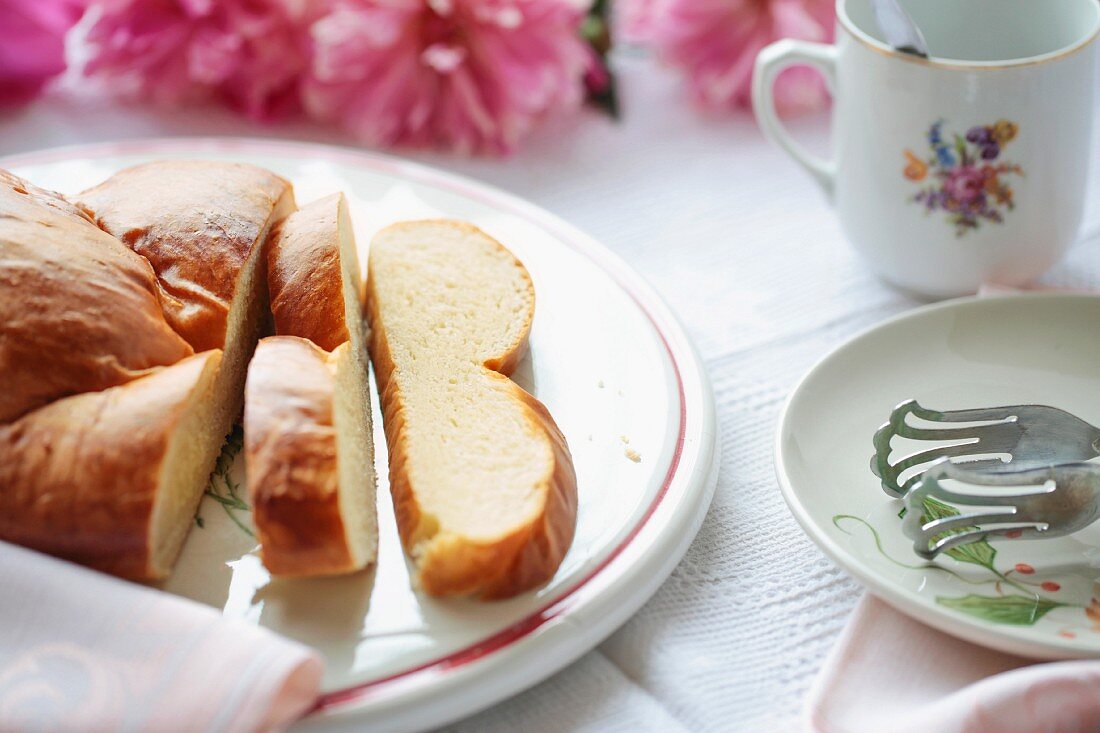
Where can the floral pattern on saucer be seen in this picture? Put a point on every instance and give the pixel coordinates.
(967, 178)
(1015, 598)
(1019, 596)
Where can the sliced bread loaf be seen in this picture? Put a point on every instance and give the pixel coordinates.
(483, 484)
(203, 225)
(308, 433)
(111, 479)
(78, 310)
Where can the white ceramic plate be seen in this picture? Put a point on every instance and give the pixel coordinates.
(606, 357)
(1033, 598)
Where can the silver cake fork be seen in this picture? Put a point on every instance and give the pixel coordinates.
(1067, 500)
(1033, 436)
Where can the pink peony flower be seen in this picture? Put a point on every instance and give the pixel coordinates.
(634, 20)
(250, 52)
(32, 48)
(716, 42)
(472, 75)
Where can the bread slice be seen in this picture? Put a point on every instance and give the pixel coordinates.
(483, 484)
(78, 310)
(313, 275)
(309, 458)
(307, 413)
(203, 225)
(112, 479)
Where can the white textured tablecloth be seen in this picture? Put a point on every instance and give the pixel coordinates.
(746, 251)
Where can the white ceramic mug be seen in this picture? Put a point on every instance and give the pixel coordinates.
(966, 168)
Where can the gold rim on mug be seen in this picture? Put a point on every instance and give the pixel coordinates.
(879, 47)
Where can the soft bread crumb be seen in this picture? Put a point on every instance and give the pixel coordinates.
(465, 429)
(633, 455)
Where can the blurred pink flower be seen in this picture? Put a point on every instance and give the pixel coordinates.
(32, 44)
(249, 52)
(472, 75)
(634, 20)
(715, 42)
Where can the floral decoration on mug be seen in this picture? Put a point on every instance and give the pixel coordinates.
(967, 174)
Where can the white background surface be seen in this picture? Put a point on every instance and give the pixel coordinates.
(744, 248)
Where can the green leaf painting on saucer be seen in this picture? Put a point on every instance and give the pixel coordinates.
(1017, 610)
(978, 553)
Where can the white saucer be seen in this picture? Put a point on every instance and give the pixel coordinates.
(1040, 348)
(615, 370)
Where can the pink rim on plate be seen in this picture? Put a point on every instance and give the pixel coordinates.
(356, 695)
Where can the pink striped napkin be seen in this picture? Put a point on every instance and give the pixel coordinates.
(888, 672)
(82, 651)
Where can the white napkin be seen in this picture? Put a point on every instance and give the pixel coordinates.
(82, 651)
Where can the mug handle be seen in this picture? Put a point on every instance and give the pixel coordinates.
(769, 63)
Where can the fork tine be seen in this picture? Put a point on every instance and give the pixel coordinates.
(986, 499)
(999, 436)
(930, 485)
(975, 465)
(953, 524)
(987, 414)
(890, 482)
(908, 431)
(965, 473)
(928, 550)
(932, 454)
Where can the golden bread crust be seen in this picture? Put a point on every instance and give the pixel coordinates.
(79, 477)
(196, 222)
(79, 312)
(450, 564)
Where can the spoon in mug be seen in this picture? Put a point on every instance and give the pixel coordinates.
(898, 28)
